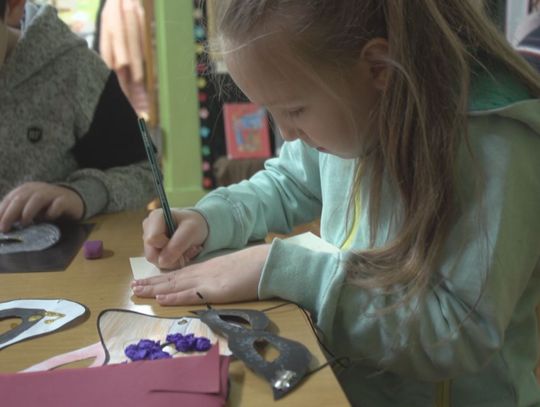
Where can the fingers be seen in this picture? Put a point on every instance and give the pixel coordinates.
(151, 280)
(3, 206)
(192, 252)
(154, 229)
(182, 261)
(55, 210)
(184, 245)
(167, 292)
(151, 254)
(155, 238)
(25, 203)
(63, 202)
(232, 277)
(174, 288)
(20, 206)
(153, 246)
(173, 253)
(10, 213)
(164, 284)
(150, 291)
(187, 297)
(33, 206)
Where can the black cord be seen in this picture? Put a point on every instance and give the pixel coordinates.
(202, 298)
(341, 361)
(277, 306)
(334, 359)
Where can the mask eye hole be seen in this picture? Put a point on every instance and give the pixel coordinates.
(266, 350)
(236, 320)
(9, 323)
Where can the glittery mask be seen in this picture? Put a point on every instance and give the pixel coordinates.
(284, 372)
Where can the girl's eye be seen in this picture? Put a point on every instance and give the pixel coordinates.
(296, 112)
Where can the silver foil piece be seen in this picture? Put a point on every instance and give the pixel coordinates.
(29, 239)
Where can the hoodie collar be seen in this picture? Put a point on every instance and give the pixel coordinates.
(497, 91)
(44, 37)
(495, 88)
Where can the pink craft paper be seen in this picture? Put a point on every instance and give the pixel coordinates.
(95, 351)
(182, 381)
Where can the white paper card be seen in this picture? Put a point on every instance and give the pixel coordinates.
(142, 268)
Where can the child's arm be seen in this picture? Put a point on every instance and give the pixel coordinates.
(285, 194)
(486, 273)
(114, 189)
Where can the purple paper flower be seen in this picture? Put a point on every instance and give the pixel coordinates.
(146, 349)
(189, 342)
(172, 338)
(202, 344)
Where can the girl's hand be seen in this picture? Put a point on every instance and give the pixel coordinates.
(191, 232)
(39, 200)
(229, 278)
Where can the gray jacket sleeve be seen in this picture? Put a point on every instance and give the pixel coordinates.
(113, 172)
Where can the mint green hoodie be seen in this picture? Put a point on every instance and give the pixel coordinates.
(478, 327)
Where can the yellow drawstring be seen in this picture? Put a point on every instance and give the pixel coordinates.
(354, 230)
(443, 394)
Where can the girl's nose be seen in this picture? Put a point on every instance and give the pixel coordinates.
(288, 134)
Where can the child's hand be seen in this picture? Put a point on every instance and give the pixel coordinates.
(230, 278)
(165, 253)
(39, 200)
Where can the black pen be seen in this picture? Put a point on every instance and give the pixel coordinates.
(158, 178)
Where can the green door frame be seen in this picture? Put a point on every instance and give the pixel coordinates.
(178, 103)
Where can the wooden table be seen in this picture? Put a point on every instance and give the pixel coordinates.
(104, 283)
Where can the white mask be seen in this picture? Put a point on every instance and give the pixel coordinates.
(38, 316)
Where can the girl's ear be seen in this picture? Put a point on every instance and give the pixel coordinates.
(14, 13)
(376, 54)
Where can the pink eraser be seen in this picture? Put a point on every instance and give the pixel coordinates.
(93, 249)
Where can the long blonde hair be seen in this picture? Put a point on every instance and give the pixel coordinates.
(433, 45)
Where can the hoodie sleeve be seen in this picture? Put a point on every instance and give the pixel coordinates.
(286, 193)
(487, 264)
(113, 173)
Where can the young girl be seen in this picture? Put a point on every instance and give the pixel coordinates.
(70, 145)
(411, 130)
